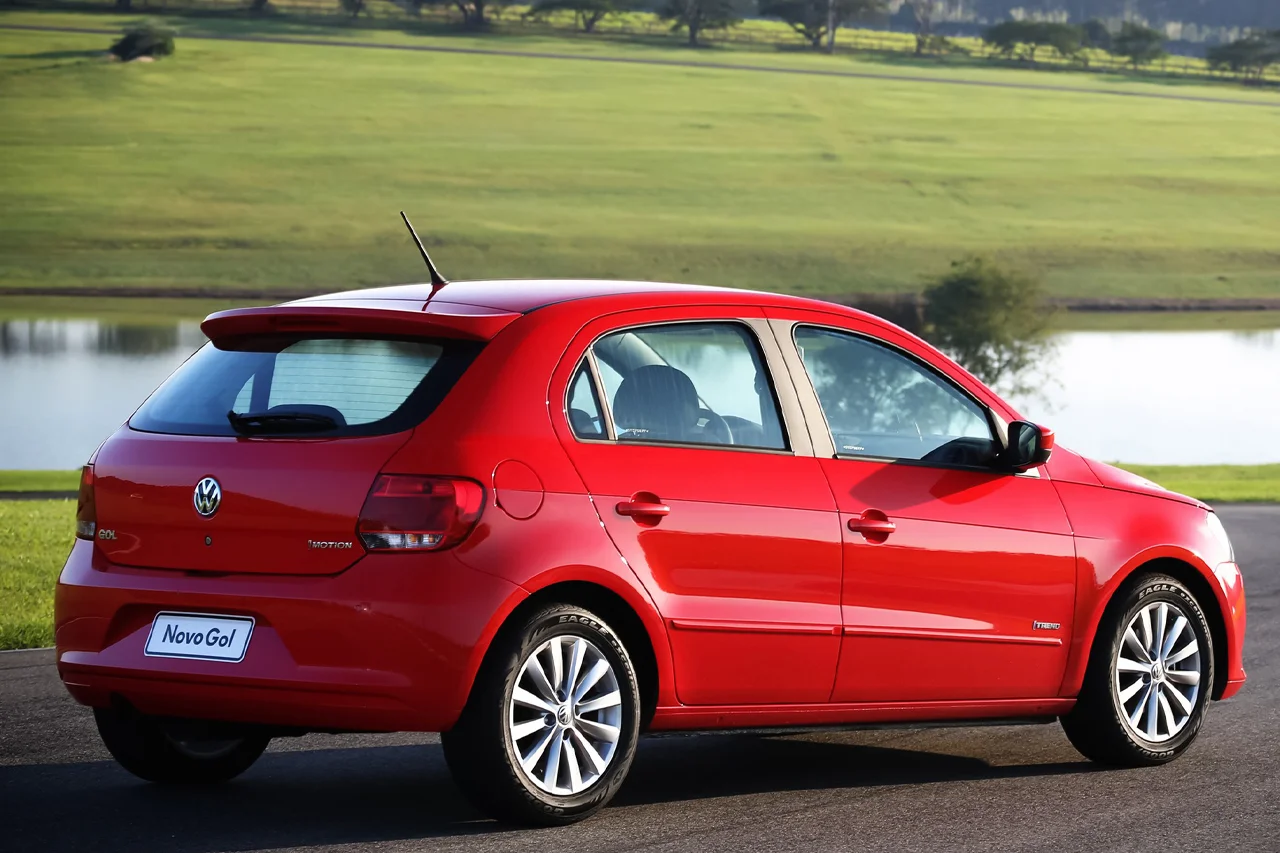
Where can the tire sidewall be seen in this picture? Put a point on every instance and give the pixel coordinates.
(1153, 591)
(565, 621)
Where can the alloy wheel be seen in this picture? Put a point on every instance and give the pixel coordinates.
(565, 715)
(1158, 669)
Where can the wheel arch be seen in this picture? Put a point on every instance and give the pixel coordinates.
(649, 655)
(1196, 583)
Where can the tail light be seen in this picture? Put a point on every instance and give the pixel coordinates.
(410, 513)
(86, 507)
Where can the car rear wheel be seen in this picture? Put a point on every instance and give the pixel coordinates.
(1149, 679)
(176, 751)
(550, 729)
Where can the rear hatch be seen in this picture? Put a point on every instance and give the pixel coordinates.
(277, 487)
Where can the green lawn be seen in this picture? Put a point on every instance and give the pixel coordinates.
(35, 537)
(39, 481)
(1216, 483)
(267, 165)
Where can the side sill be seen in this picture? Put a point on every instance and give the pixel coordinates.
(720, 717)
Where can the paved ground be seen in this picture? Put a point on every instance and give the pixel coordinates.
(190, 33)
(944, 789)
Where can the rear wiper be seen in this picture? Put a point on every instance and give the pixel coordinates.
(250, 422)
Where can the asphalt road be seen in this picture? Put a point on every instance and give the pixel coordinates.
(1020, 788)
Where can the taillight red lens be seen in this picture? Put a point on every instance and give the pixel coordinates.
(405, 512)
(86, 508)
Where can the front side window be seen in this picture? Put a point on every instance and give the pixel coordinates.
(880, 403)
(689, 383)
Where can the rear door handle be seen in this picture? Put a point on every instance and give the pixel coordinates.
(873, 524)
(645, 507)
(631, 509)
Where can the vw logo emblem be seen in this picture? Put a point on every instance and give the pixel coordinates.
(208, 497)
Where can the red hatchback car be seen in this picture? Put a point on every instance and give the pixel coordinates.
(544, 517)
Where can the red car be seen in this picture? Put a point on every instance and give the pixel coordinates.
(545, 517)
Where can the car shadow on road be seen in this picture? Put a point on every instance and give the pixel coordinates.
(333, 796)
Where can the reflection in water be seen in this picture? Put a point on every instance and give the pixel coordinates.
(65, 385)
(1160, 397)
(1164, 397)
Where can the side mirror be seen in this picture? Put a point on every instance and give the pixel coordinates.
(1029, 446)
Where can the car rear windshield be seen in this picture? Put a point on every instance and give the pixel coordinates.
(306, 385)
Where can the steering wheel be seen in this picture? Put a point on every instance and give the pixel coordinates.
(716, 427)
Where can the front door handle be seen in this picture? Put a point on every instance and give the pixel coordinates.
(644, 507)
(873, 524)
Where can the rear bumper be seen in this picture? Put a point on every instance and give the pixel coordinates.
(391, 644)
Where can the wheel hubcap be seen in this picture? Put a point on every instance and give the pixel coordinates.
(565, 715)
(1157, 672)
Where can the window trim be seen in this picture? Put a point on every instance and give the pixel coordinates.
(589, 357)
(994, 422)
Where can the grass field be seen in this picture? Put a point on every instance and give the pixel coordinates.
(39, 481)
(35, 537)
(268, 165)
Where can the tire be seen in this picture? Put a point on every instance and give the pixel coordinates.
(499, 726)
(175, 751)
(1113, 721)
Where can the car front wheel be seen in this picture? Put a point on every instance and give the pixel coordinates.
(1149, 678)
(176, 751)
(551, 727)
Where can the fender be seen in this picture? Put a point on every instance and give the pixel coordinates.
(1104, 591)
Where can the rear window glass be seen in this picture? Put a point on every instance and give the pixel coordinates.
(364, 386)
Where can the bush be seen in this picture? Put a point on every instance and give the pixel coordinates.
(145, 40)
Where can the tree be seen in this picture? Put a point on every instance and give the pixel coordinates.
(474, 12)
(1250, 56)
(699, 15)
(1140, 45)
(813, 19)
(1096, 35)
(587, 13)
(352, 7)
(993, 321)
(924, 12)
(1008, 36)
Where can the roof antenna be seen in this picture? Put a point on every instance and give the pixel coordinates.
(437, 281)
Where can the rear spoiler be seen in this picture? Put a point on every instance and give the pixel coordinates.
(398, 317)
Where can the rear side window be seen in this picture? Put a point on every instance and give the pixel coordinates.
(365, 386)
(689, 383)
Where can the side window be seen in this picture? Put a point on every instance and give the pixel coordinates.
(880, 403)
(691, 383)
(584, 408)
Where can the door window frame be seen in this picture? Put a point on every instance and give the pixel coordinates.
(791, 419)
(824, 443)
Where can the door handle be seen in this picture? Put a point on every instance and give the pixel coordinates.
(645, 507)
(872, 524)
(631, 509)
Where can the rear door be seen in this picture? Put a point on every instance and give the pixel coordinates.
(180, 487)
(700, 470)
(959, 579)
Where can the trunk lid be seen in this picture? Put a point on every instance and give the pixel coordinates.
(287, 505)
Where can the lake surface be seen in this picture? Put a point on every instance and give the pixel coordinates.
(1173, 397)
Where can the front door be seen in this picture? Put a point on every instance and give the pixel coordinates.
(959, 579)
(693, 467)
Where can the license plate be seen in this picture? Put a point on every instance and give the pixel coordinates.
(199, 636)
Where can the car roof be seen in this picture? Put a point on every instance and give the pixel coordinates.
(520, 296)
